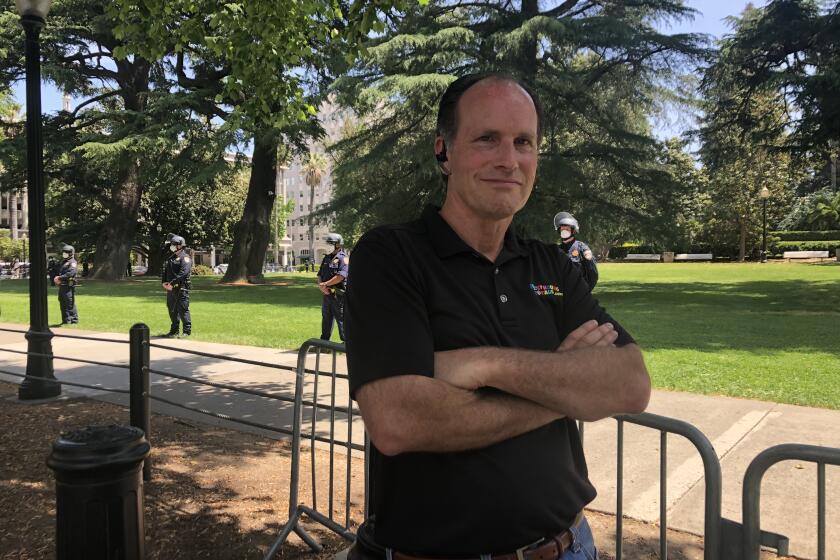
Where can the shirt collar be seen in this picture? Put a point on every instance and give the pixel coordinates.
(447, 243)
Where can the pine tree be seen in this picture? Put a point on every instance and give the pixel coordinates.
(599, 70)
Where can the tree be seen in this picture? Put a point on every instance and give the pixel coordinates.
(826, 213)
(789, 49)
(743, 140)
(599, 69)
(262, 67)
(313, 172)
(127, 115)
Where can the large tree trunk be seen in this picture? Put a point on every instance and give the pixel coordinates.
(117, 235)
(116, 238)
(742, 242)
(251, 233)
(311, 224)
(530, 9)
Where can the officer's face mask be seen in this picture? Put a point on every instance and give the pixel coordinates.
(565, 234)
(66, 255)
(173, 248)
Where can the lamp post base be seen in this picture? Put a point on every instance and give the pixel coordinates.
(41, 384)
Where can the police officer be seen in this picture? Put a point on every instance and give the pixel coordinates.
(579, 252)
(332, 281)
(65, 279)
(176, 281)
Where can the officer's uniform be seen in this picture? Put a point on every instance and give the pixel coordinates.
(332, 305)
(176, 271)
(580, 254)
(67, 290)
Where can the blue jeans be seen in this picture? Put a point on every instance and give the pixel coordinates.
(583, 547)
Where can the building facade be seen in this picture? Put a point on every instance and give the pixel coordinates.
(14, 213)
(296, 244)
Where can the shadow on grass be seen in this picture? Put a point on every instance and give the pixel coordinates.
(762, 317)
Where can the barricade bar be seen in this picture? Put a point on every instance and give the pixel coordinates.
(60, 382)
(224, 386)
(234, 359)
(76, 336)
(711, 470)
(751, 500)
(297, 509)
(65, 358)
(222, 357)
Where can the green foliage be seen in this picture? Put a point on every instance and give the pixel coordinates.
(256, 49)
(10, 249)
(598, 68)
(202, 270)
(737, 163)
(789, 49)
(804, 235)
(825, 245)
(826, 212)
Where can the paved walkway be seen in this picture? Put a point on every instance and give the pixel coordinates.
(738, 428)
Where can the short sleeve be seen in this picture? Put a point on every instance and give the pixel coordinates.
(386, 318)
(343, 268)
(579, 306)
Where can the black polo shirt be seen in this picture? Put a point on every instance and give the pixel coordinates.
(418, 288)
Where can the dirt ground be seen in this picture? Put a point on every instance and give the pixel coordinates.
(215, 493)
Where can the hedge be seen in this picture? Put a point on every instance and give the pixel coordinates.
(829, 246)
(828, 235)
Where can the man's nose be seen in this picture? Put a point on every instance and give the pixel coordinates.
(507, 156)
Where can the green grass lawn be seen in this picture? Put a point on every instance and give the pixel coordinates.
(769, 332)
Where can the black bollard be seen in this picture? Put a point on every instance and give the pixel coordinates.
(99, 493)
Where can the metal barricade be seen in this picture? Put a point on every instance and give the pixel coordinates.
(753, 537)
(297, 509)
(711, 469)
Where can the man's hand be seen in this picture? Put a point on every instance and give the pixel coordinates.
(590, 334)
(460, 368)
(167, 286)
(324, 289)
(57, 280)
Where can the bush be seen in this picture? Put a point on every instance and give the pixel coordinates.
(782, 246)
(827, 235)
(202, 270)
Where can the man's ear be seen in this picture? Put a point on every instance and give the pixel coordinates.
(441, 156)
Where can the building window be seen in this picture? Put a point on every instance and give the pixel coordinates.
(301, 237)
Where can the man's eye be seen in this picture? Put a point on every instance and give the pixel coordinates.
(523, 142)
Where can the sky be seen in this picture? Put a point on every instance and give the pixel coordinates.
(710, 20)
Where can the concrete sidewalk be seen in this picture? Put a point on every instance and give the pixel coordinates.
(739, 429)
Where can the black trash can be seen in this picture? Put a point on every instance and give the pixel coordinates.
(99, 493)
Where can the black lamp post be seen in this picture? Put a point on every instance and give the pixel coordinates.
(40, 366)
(764, 194)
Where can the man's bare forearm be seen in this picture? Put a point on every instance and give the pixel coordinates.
(416, 413)
(587, 384)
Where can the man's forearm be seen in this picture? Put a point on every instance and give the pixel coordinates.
(415, 413)
(587, 383)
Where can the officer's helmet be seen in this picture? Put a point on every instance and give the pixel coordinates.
(566, 219)
(178, 240)
(68, 249)
(334, 239)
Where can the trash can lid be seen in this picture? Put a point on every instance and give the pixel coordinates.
(94, 447)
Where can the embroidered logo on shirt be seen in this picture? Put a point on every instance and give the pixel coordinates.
(575, 253)
(546, 290)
